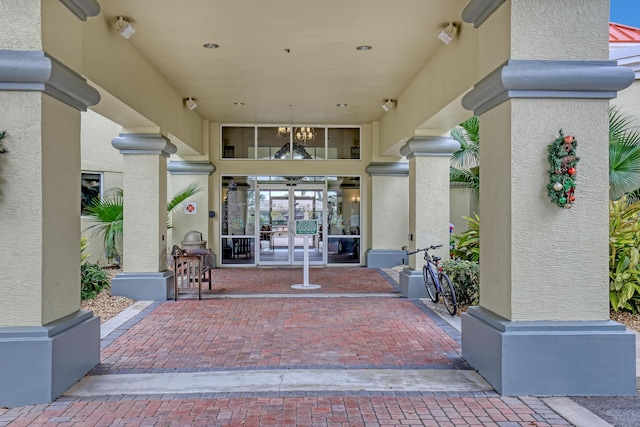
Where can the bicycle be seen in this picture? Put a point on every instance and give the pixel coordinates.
(437, 284)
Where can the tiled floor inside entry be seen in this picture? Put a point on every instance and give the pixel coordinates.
(355, 323)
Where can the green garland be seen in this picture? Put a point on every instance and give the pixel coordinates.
(562, 171)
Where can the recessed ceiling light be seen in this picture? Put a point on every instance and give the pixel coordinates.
(342, 104)
(364, 47)
(211, 45)
(238, 103)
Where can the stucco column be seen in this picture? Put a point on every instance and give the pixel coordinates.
(389, 214)
(429, 158)
(185, 173)
(543, 325)
(145, 275)
(46, 342)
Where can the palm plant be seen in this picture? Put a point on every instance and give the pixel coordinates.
(465, 161)
(108, 213)
(624, 155)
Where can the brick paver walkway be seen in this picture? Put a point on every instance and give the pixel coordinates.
(276, 333)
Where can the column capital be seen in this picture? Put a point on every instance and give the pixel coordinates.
(82, 8)
(477, 11)
(190, 167)
(429, 146)
(39, 71)
(143, 143)
(548, 79)
(388, 169)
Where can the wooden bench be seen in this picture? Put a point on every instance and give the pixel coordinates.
(190, 267)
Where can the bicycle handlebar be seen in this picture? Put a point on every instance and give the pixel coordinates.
(423, 250)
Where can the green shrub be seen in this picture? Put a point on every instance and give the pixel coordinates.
(624, 256)
(94, 278)
(466, 245)
(465, 276)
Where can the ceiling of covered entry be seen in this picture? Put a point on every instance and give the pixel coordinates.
(321, 69)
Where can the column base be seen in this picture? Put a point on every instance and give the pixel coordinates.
(543, 358)
(385, 258)
(39, 363)
(412, 284)
(144, 286)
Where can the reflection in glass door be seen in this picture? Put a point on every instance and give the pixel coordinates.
(280, 205)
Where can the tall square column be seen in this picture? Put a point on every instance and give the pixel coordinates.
(389, 215)
(46, 342)
(429, 158)
(543, 325)
(145, 274)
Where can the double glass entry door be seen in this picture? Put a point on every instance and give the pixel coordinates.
(280, 206)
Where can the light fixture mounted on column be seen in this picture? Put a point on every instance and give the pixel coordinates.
(123, 26)
(190, 103)
(389, 104)
(448, 33)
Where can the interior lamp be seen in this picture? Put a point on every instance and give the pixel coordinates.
(125, 29)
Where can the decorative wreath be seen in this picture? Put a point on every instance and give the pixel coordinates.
(562, 171)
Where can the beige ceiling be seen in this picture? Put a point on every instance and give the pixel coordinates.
(304, 86)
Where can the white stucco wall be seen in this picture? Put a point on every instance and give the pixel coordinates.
(390, 214)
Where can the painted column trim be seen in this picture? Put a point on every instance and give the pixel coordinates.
(190, 167)
(82, 8)
(560, 358)
(143, 143)
(47, 360)
(477, 11)
(387, 169)
(429, 146)
(39, 71)
(548, 79)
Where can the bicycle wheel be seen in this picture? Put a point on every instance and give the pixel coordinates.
(449, 294)
(430, 283)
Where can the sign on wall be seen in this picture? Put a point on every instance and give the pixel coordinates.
(190, 208)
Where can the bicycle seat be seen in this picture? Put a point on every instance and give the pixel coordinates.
(436, 258)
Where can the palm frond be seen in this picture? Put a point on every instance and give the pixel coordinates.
(183, 195)
(467, 135)
(465, 177)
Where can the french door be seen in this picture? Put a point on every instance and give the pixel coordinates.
(280, 205)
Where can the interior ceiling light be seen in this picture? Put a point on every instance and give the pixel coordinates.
(342, 104)
(389, 104)
(211, 46)
(448, 33)
(283, 131)
(304, 134)
(238, 103)
(364, 47)
(190, 103)
(123, 26)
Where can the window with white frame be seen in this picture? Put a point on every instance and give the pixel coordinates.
(91, 189)
(290, 142)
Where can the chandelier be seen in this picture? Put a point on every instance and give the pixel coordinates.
(304, 134)
(283, 131)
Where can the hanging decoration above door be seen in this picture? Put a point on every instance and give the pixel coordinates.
(562, 171)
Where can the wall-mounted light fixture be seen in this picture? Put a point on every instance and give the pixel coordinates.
(448, 33)
(389, 104)
(190, 103)
(123, 26)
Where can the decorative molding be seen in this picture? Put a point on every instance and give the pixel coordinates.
(548, 79)
(39, 71)
(143, 143)
(82, 8)
(429, 146)
(627, 56)
(388, 169)
(477, 11)
(190, 167)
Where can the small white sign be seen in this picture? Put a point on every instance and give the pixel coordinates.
(190, 208)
